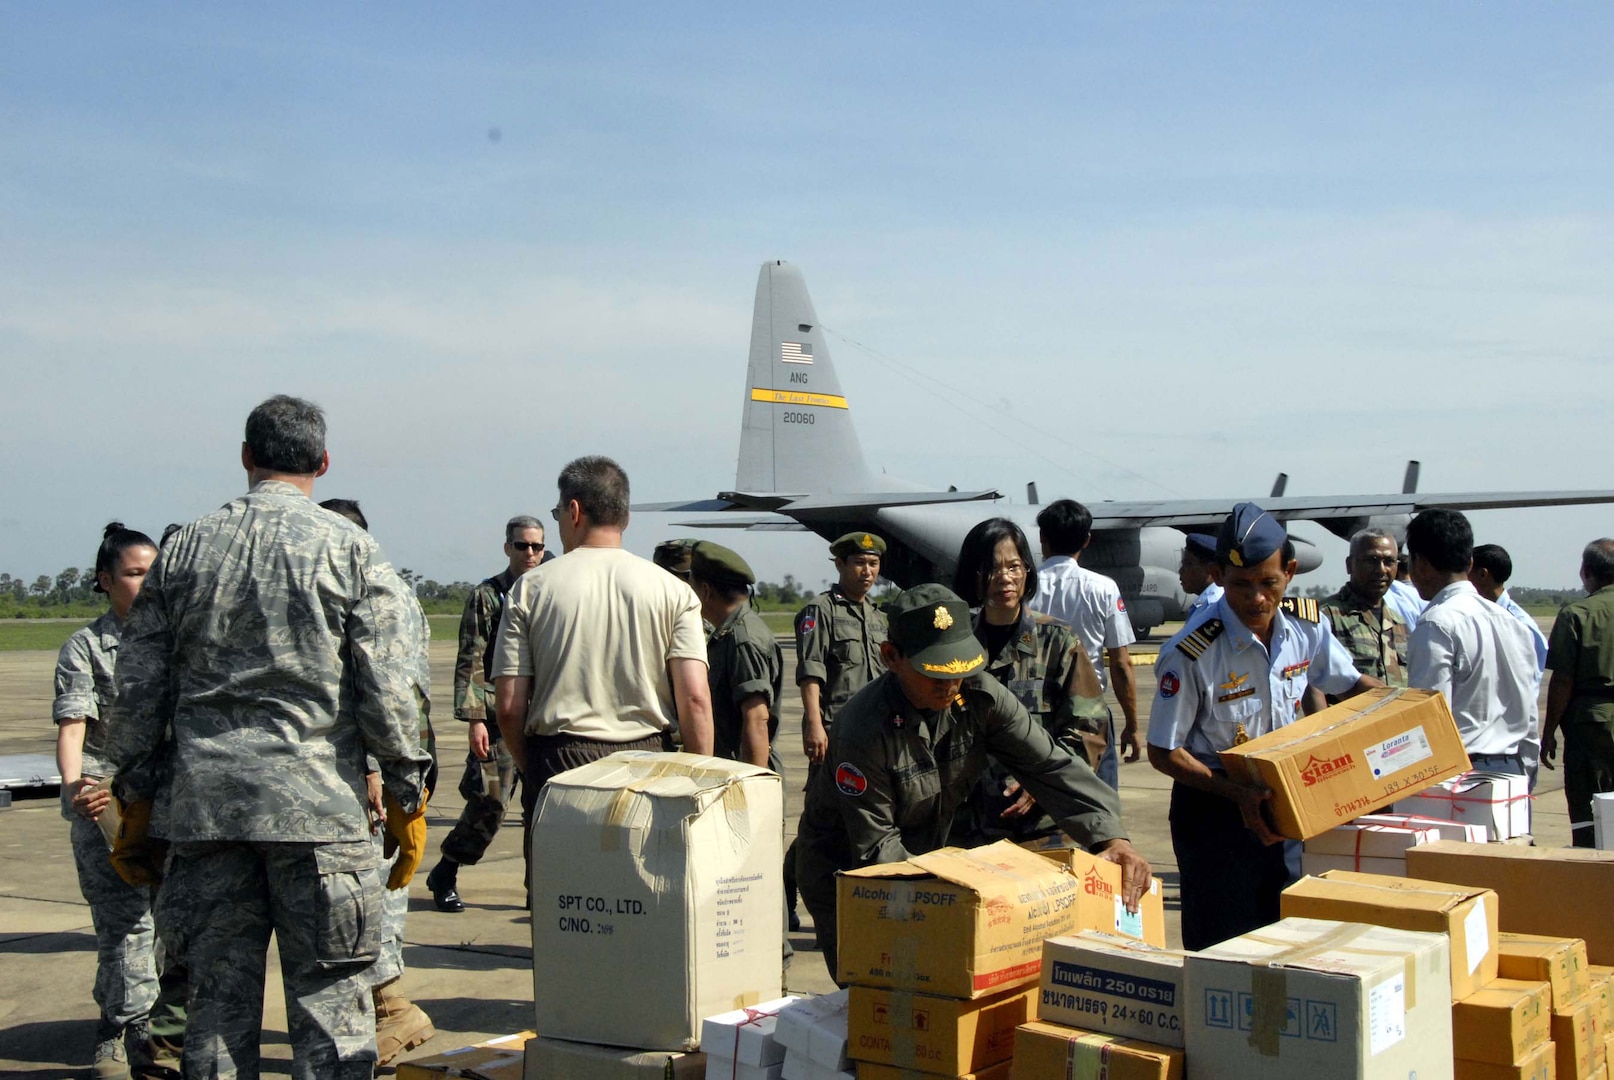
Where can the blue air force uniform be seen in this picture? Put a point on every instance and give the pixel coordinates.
(1219, 685)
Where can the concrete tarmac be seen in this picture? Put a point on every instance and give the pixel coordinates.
(471, 972)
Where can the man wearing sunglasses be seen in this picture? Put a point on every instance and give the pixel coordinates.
(490, 771)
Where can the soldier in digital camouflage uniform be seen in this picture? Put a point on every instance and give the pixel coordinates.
(126, 970)
(1362, 618)
(244, 638)
(745, 667)
(1040, 661)
(486, 798)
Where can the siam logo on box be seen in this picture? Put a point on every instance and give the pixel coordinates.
(1319, 769)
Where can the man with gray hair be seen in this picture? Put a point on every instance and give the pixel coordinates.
(1360, 614)
(490, 771)
(1580, 697)
(599, 650)
(278, 645)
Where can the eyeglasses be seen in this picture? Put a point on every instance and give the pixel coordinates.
(554, 512)
(522, 545)
(1010, 571)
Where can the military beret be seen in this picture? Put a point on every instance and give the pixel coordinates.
(931, 626)
(1201, 544)
(716, 563)
(673, 556)
(857, 543)
(1249, 536)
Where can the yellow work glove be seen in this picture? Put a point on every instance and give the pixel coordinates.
(406, 833)
(137, 857)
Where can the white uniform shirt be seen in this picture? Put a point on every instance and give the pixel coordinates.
(1213, 592)
(1235, 681)
(1089, 603)
(1482, 659)
(1406, 601)
(1506, 603)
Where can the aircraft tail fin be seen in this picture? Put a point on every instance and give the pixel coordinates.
(797, 433)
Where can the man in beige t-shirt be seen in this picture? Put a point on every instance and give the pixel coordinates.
(598, 650)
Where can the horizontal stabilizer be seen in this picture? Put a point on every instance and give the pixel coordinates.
(1183, 513)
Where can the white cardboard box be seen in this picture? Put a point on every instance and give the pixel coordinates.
(1364, 847)
(1113, 985)
(1603, 819)
(1498, 801)
(746, 1036)
(815, 1028)
(655, 876)
(799, 1066)
(720, 1068)
(1321, 1000)
(1449, 830)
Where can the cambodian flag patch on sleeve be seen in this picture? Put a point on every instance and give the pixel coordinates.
(1120, 604)
(850, 779)
(809, 619)
(1170, 684)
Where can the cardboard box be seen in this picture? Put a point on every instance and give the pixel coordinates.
(1351, 759)
(1448, 829)
(745, 1036)
(1500, 802)
(867, 1071)
(1603, 820)
(1602, 979)
(1504, 1022)
(944, 1036)
(721, 1068)
(1099, 905)
(497, 1059)
(1365, 848)
(1539, 1064)
(1321, 1000)
(663, 870)
(798, 1066)
(1044, 1051)
(1466, 915)
(815, 1029)
(551, 1058)
(1559, 961)
(1114, 986)
(1576, 1032)
(953, 923)
(1558, 891)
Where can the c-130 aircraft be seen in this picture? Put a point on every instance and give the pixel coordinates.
(801, 466)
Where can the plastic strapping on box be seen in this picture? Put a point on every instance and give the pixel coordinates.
(1356, 858)
(752, 1016)
(1087, 1057)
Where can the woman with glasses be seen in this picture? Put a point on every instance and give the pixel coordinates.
(1039, 661)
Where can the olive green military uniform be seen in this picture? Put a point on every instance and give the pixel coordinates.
(1045, 667)
(743, 659)
(485, 802)
(1582, 649)
(894, 778)
(838, 643)
(1374, 634)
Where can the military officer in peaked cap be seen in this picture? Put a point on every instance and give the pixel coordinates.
(1238, 669)
(745, 667)
(906, 751)
(1198, 556)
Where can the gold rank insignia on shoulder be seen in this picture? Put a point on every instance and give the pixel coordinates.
(1301, 607)
(943, 619)
(1194, 645)
(1240, 737)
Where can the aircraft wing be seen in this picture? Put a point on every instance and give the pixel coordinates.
(1184, 513)
(795, 505)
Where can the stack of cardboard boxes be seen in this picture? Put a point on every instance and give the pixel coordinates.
(813, 1033)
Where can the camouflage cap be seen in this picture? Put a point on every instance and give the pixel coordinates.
(931, 626)
(857, 543)
(1249, 536)
(673, 556)
(717, 564)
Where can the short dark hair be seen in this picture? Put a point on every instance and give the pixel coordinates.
(977, 555)
(520, 523)
(1494, 557)
(287, 435)
(1598, 561)
(348, 508)
(600, 487)
(1066, 526)
(115, 540)
(1443, 539)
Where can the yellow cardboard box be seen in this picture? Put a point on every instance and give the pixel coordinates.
(1350, 759)
(497, 1059)
(1559, 961)
(1098, 904)
(548, 1059)
(1603, 985)
(943, 1036)
(1539, 1064)
(1045, 1051)
(867, 1070)
(952, 922)
(1504, 1022)
(1576, 1033)
(1558, 891)
(1466, 915)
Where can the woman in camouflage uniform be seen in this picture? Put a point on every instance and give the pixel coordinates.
(126, 972)
(1041, 663)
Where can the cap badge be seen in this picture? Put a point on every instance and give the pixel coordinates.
(1235, 558)
(943, 619)
(867, 541)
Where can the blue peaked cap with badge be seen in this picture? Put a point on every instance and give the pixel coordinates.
(1249, 536)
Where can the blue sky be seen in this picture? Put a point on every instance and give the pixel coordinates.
(1169, 250)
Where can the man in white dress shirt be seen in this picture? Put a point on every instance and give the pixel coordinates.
(1470, 649)
(1091, 605)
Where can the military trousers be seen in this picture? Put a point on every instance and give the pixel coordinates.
(389, 964)
(484, 809)
(323, 904)
(125, 939)
(815, 879)
(1230, 881)
(1588, 738)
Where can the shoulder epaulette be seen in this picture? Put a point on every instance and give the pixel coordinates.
(1195, 643)
(1301, 607)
